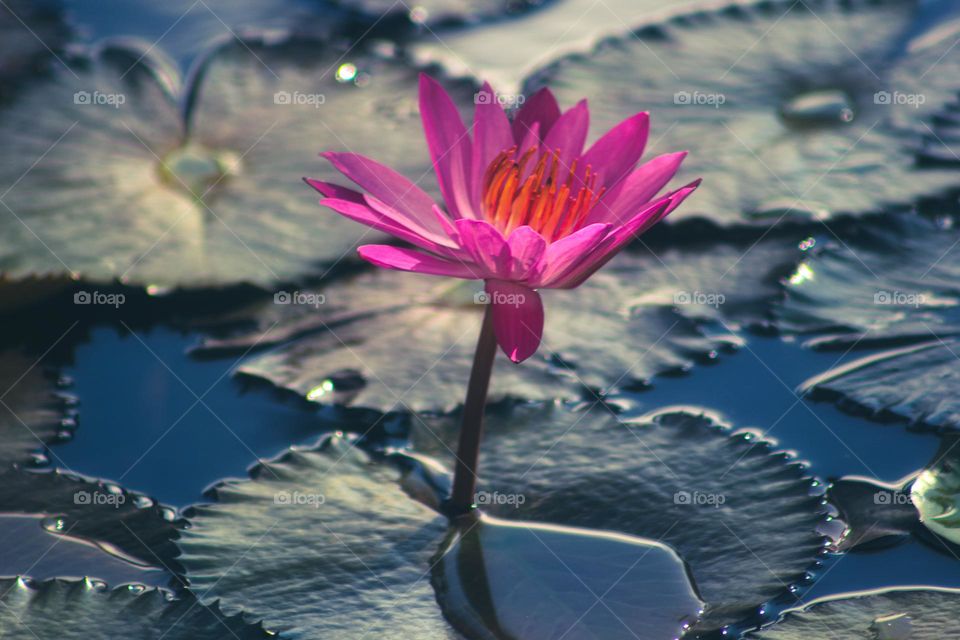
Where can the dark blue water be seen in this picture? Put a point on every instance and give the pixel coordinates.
(155, 421)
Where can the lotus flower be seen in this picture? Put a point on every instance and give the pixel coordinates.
(526, 207)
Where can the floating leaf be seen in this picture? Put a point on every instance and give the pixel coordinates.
(123, 188)
(798, 110)
(31, 549)
(500, 579)
(397, 340)
(31, 414)
(895, 614)
(31, 34)
(558, 28)
(874, 512)
(60, 610)
(936, 494)
(743, 517)
(321, 544)
(127, 524)
(894, 284)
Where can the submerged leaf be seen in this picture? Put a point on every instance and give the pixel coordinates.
(798, 110)
(397, 340)
(59, 610)
(124, 188)
(894, 284)
(497, 579)
(743, 517)
(895, 614)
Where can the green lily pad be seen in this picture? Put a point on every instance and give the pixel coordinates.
(558, 28)
(126, 524)
(936, 495)
(497, 579)
(57, 609)
(745, 518)
(800, 110)
(31, 36)
(321, 544)
(31, 412)
(396, 340)
(895, 614)
(122, 187)
(892, 286)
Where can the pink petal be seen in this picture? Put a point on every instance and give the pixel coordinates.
(331, 190)
(434, 233)
(400, 259)
(540, 110)
(486, 246)
(568, 135)
(618, 151)
(517, 318)
(491, 135)
(365, 215)
(564, 255)
(386, 185)
(527, 248)
(613, 243)
(449, 145)
(637, 189)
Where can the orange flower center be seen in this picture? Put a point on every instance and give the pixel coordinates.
(512, 198)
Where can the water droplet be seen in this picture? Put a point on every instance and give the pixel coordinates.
(346, 72)
(54, 524)
(807, 244)
(803, 274)
(142, 502)
(818, 108)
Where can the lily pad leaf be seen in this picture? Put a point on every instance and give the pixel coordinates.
(497, 579)
(893, 286)
(936, 494)
(126, 524)
(31, 35)
(743, 517)
(395, 340)
(32, 413)
(895, 614)
(58, 609)
(799, 110)
(123, 187)
(320, 544)
(875, 513)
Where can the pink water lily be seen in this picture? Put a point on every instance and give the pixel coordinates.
(526, 207)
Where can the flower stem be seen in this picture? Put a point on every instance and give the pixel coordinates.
(471, 424)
